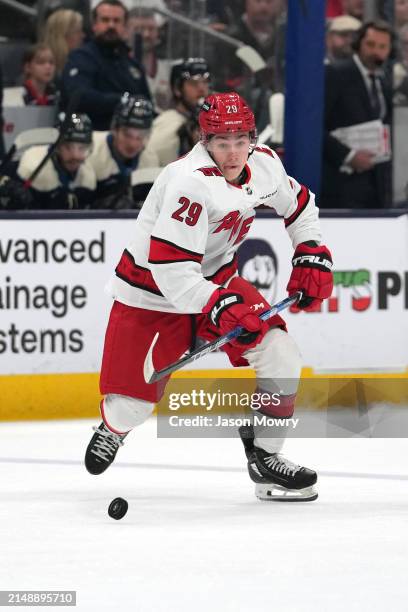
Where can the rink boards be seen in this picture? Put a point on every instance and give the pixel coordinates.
(54, 309)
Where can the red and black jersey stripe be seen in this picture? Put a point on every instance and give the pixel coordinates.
(303, 198)
(165, 252)
(137, 276)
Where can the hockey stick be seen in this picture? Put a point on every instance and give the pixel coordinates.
(151, 375)
(73, 104)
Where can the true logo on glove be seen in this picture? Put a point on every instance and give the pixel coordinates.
(312, 274)
(312, 259)
(222, 304)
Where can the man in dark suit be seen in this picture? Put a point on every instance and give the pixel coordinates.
(101, 70)
(356, 93)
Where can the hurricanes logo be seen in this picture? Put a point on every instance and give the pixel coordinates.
(235, 224)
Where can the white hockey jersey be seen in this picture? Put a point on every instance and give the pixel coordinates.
(104, 164)
(192, 222)
(53, 188)
(164, 141)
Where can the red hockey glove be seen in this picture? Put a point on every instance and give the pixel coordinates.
(312, 275)
(226, 310)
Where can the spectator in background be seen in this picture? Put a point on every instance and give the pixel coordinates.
(217, 16)
(63, 33)
(175, 131)
(341, 33)
(101, 70)
(223, 13)
(400, 14)
(356, 93)
(400, 70)
(67, 181)
(2, 151)
(39, 73)
(334, 8)
(152, 4)
(118, 153)
(355, 8)
(258, 27)
(45, 8)
(176, 5)
(144, 38)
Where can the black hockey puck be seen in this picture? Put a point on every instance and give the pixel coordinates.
(118, 508)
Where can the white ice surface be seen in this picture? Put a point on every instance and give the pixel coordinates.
(195, 538)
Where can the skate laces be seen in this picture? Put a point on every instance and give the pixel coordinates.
(107, 443)
(280, 464)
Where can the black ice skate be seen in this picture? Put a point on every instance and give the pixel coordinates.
(277, 478)
(102, 449)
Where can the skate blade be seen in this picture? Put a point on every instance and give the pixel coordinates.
(274, 492)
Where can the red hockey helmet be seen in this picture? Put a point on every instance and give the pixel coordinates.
(226, 113)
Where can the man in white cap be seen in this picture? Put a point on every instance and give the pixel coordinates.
(341, 32)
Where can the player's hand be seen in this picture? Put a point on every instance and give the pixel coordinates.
(13, 195)
(362, 161)
(226, 310)
(311, 274)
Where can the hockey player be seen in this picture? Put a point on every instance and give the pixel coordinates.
(181, 266)
(118, 153)
(67, 181)
(175, 131)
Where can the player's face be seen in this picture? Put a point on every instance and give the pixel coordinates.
(375, 48)
(230, 153)
(129, 141)
(72, 154)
